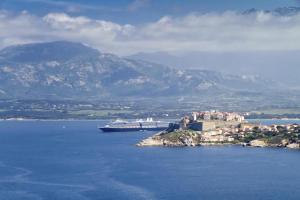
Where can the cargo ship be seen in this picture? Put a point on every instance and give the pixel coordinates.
(138, 125)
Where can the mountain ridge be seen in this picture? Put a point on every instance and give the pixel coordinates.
(63, 69)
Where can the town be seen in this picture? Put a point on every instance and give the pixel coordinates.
(220, 128)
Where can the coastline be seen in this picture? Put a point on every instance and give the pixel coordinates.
(107, 119)
(151, 142)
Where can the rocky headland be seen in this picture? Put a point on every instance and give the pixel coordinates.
(193, 138)
(194, 132)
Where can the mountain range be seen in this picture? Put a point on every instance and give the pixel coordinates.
(68, 70)
(281, 11)
(280, 66)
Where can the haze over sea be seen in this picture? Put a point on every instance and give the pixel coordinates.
(73, 160)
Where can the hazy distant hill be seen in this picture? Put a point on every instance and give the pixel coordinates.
(281, 66)
(72, 70)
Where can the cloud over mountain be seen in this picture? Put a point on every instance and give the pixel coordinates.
(211, 32)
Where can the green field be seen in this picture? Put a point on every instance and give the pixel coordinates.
(99, 113)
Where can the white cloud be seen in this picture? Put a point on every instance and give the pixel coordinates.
(63, 21)
(222, 32)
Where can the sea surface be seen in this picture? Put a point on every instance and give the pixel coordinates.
(66, 160)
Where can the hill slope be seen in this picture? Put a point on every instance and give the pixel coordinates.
(72, 70)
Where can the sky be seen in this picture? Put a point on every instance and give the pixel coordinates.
(137, 11)
(127, 27)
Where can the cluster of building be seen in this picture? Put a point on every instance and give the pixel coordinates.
(217, 127)
(209, 120)
(216, 136)
(233, 132)
(227, 133)
(216, 115)
(288, 128)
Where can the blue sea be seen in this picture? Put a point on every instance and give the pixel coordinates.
(66, 160)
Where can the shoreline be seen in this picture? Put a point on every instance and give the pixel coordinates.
(146, 143)
(219, 145)
(72, 119)
(105, 119)
(54, 120)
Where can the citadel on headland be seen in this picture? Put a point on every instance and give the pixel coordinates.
(220, 128)
(209, 120)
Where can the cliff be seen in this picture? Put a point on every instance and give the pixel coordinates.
(181, 138)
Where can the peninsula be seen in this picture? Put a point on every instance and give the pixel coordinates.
(224, 128)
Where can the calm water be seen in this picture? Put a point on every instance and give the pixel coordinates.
(73, 160)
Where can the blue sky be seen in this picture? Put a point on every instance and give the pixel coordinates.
(127, 27)
(137, 11)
